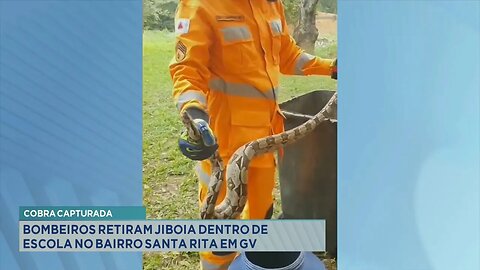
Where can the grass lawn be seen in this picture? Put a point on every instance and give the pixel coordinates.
(169, 184)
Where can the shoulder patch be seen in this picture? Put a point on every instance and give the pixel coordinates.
(182, 26)
(180, 51)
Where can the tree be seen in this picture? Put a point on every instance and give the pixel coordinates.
(306, 32)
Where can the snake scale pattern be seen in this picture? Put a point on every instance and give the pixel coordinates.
(236, 172)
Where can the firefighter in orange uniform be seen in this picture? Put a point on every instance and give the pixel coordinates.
(228, 59)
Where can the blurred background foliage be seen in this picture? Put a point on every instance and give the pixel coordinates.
(159, 14)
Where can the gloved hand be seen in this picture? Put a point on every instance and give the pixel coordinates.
(334, 69)
(202, 148)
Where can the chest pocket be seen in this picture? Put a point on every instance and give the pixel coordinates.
(238, 49)
(276, 30)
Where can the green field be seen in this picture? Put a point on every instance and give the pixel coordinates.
(169, 184)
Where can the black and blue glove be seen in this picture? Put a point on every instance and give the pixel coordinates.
(202, 148)
(334, 74)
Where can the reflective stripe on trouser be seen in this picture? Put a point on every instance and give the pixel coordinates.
(260, 199)
(209, 261)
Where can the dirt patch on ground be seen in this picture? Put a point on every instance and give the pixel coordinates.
(327, 25)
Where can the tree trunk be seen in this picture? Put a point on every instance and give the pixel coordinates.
(306, 33)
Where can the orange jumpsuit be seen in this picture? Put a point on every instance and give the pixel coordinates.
(228, 60)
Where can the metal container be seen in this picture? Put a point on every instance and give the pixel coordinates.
(308, 168)
(277, 260)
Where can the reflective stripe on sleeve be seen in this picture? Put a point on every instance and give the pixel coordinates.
(301, 61)
(191, 95)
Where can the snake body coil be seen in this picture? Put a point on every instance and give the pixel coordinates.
(237, 168)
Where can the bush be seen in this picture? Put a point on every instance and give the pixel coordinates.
(328, 6)
(292, 10)
(159, 14)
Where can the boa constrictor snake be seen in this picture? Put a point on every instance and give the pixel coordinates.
(237, 168)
